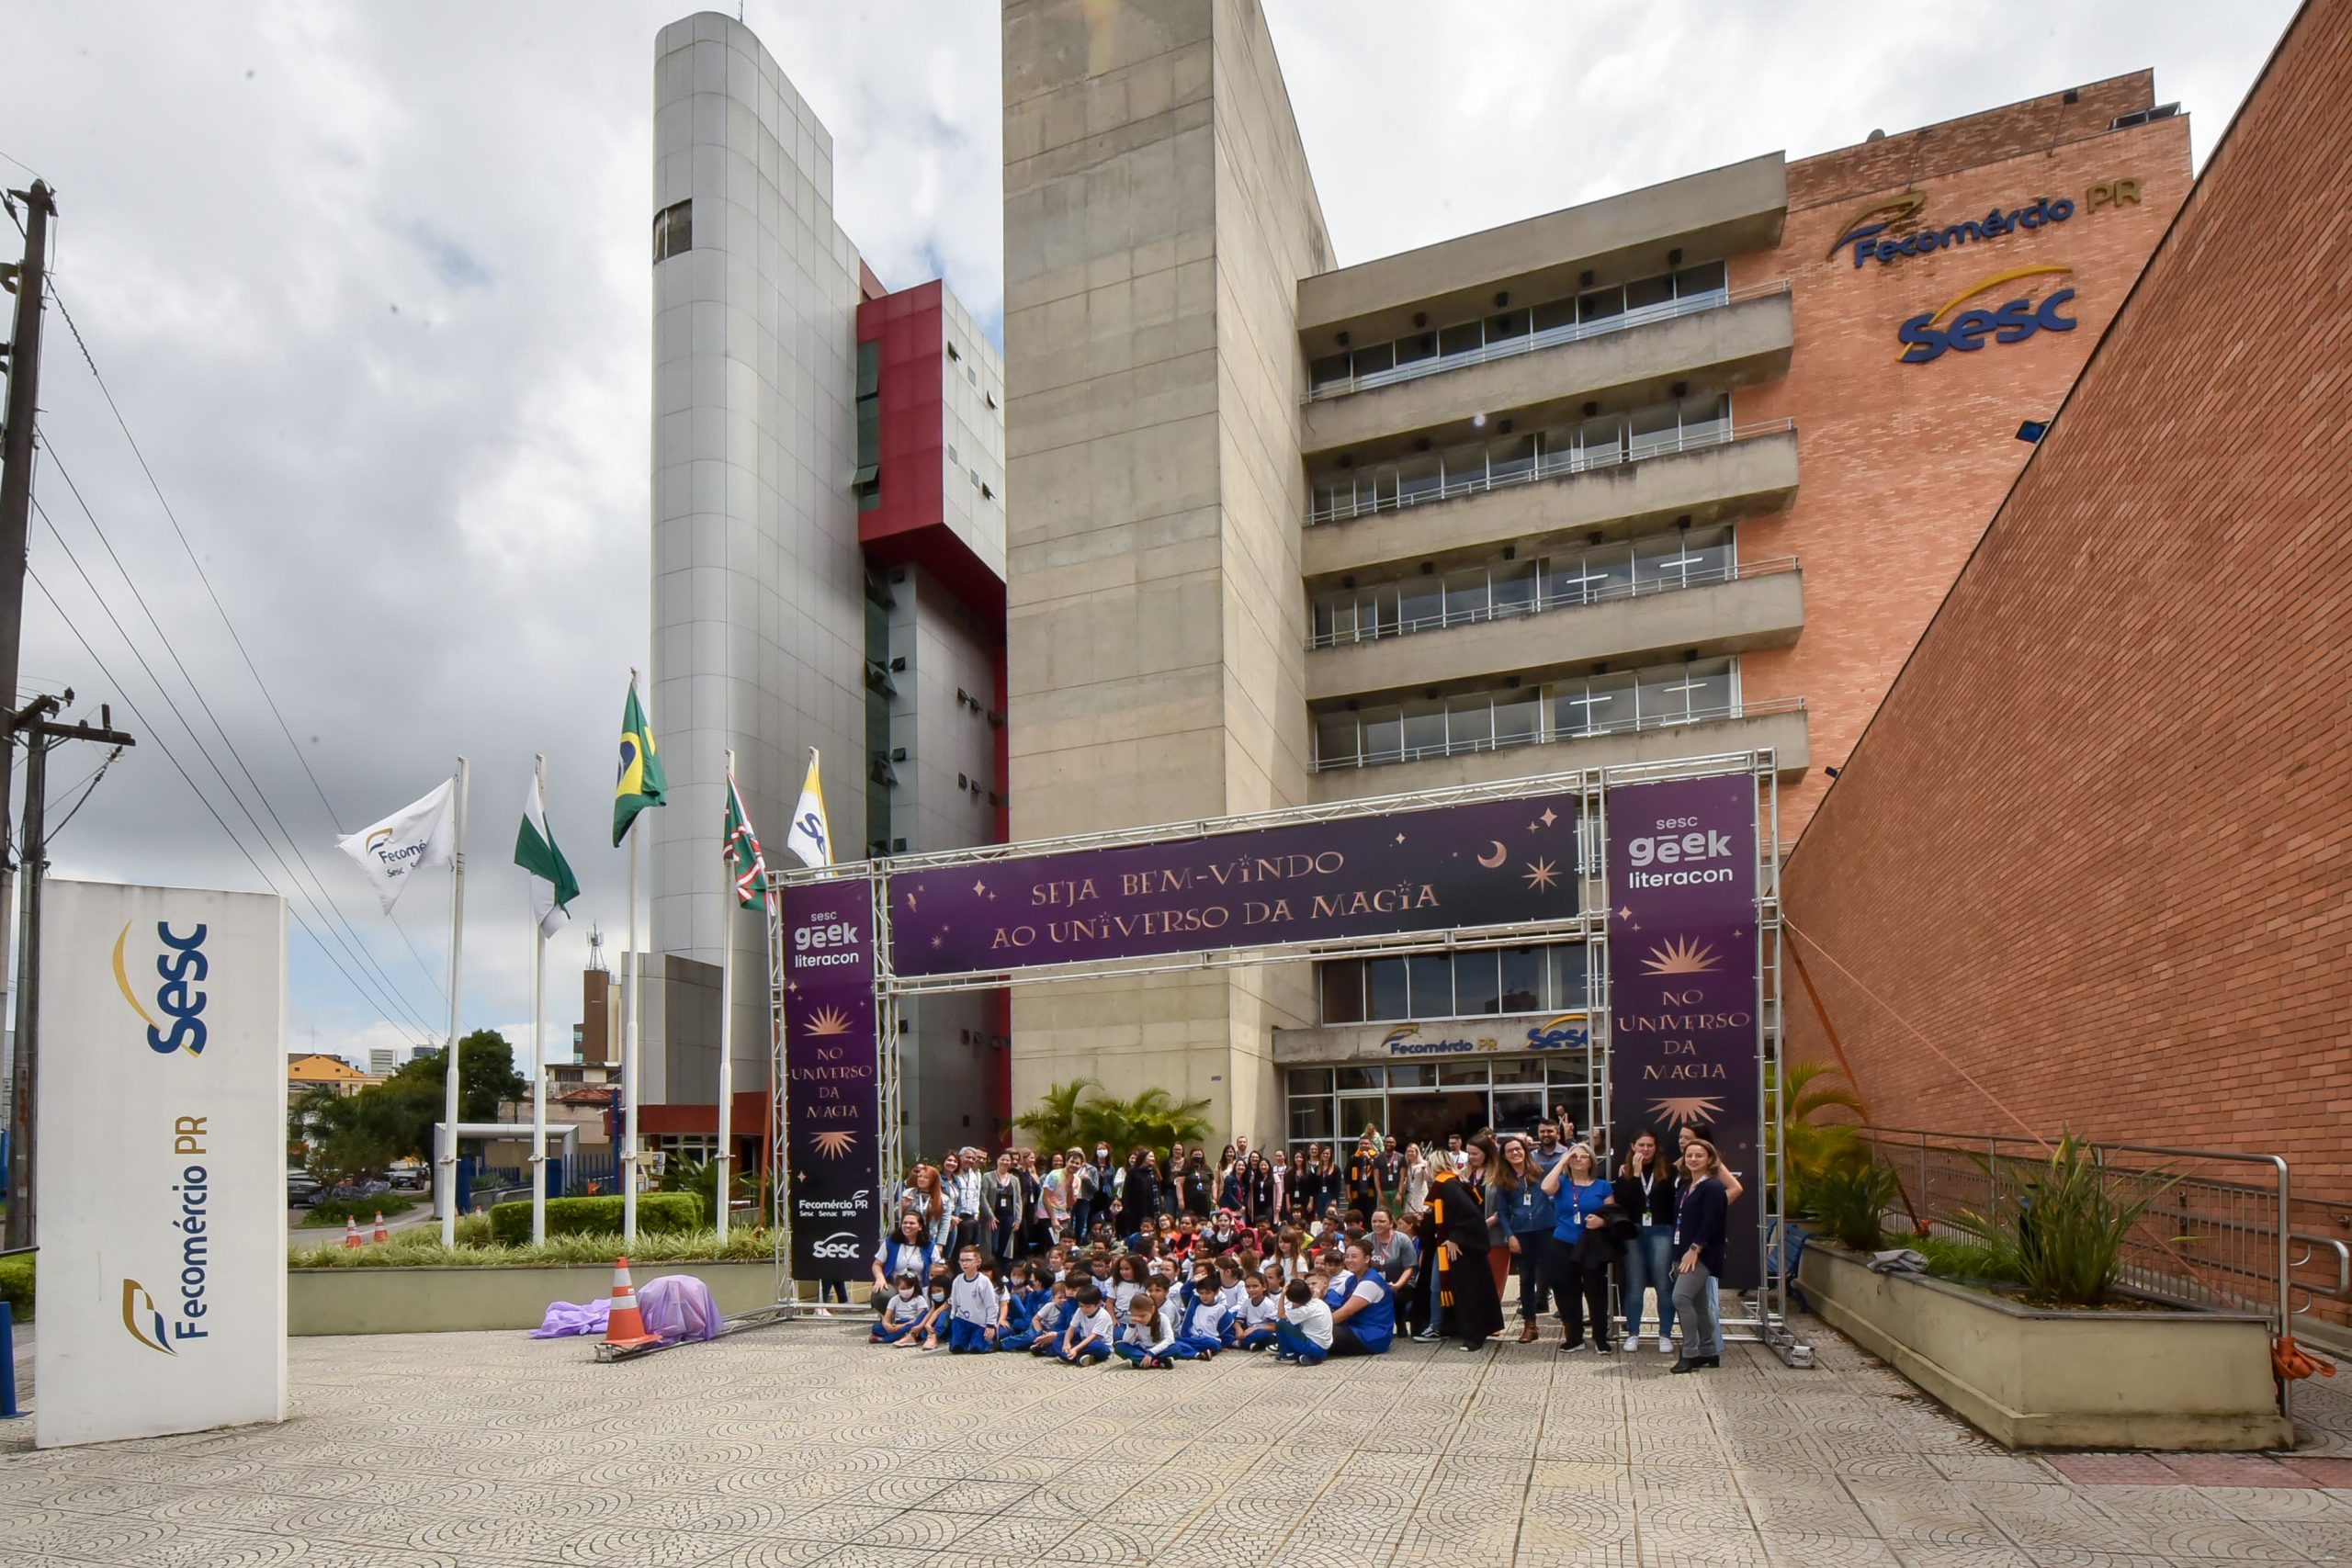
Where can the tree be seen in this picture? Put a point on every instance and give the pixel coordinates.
(1079, 1116)
(394, 1119)
(1815, 1149)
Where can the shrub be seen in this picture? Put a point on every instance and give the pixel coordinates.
(2063, 1230)
(1965, 1260)
(420, 1247)
(335, 1210)
(17, 1285)
(1851, 1203)
(510, 1223)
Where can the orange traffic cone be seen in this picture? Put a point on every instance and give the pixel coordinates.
(626, 1330)
(350, 1232)
(381, 1234)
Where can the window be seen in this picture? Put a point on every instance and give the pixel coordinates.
(952, 354)
(1567, 962)
(951, 452)
(1342, 984)
(674, 230)
(1335, 741)
(1522, 979)
(1430, 978)
(1384, 990)
(866, 482)
(986, 493)
(1475, 990)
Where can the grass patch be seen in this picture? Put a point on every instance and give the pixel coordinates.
(421, 1249)
(17, 1286)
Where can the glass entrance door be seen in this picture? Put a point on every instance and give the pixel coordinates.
(1428, 1118)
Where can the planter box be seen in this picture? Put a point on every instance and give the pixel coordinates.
(2035, 1379)
(445, 1300)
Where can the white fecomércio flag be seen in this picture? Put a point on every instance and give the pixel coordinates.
(417, 835)
(811, 836)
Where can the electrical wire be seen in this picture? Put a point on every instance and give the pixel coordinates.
(334, 818)
(397, 1003)
(325, 901)
(155, 737)
(94, 781)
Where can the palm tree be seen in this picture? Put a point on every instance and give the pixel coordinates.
(1078, 1115)
(1815, 1149)
(1055, 1125)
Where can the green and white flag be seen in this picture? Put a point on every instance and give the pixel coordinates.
(553, 885)
(745, 864)
(641, 783)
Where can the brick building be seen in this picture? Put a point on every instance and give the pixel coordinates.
(1639, 479)
(2095, 843)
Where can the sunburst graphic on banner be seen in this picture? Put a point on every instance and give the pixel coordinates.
(1683, 1109)
(828, 1021)
(834, 1146)
(1680, 956)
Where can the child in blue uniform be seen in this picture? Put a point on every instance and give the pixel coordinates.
(1205, 1315)
(972, 1307)
(1043, 1336)
(1304, 1331)
(1141, 1343)
(1087, 1340)
(1252, 1328)
(906, 1316)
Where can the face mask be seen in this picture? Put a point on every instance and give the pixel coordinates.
(939, 1295)
(1102, 1153)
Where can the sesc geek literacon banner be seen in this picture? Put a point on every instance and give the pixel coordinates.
(1442, 868)
(1684, 999)
(833, 1080)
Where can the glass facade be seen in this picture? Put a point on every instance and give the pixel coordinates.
(1482, 983)
(1681, 425)
(1495, 590)
(1425, 1101)
(1491, 718)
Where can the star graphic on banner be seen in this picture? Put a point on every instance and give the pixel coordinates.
(910, 901)
(1400, 838)
(1625, 913)
(1540, 874)
(1535, 827)
(938, 942)
(1549, 817)
(979, 887)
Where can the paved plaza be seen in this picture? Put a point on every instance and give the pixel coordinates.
(799, 1445)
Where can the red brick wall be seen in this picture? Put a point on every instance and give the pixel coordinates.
(1900, 466)
(2097, 843)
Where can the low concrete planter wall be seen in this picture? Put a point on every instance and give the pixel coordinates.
(442, 1299)
(2034, 1379)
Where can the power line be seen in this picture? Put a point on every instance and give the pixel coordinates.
(203, 799)
(334, 818)
(326, 899)
(397, 1003)
(94, 781)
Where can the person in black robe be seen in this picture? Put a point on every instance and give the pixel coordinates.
(1458, 1226)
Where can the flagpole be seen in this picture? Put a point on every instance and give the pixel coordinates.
(629, 1065)
(448, 1151)
(726, 1012)
(539, 1058)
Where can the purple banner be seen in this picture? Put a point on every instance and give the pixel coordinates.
(1684, 1002)
(1493, 862)
(831, 1097)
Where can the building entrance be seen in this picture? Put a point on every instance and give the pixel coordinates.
(1428, 1118)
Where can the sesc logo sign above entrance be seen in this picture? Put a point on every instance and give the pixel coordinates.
(1928, 338)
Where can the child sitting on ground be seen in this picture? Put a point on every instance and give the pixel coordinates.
(1252, 1328)
(972, 1306)
(1087, 1340)
(1305, 1331)
(906, 1316)
(1141, 1345)
(936, 1291)
(1043, 1334)
(1205, 1314)
(1014, 1304)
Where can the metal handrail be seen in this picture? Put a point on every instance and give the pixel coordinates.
(1730, 571)
(1550, 337)
(1743, 709)
(1634, 449)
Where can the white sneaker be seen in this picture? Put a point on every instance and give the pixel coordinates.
(1665, 1347)
(823, 1312)
(1633, 1342)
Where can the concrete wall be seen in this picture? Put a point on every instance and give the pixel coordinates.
(1158, 215)
(2107, 809)
(758, 630)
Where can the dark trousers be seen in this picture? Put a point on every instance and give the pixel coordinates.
(1537, 1269)
(1581, 1285)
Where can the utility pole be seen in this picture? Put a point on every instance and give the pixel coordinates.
(37, 724)
(15, 511)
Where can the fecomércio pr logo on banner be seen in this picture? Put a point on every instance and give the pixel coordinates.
(181, 968)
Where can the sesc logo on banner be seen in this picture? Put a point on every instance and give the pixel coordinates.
(164, 1218)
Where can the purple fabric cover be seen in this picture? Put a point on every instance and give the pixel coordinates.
(675, 1306)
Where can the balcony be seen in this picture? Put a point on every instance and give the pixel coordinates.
(1709, 475)
(1721, 340)
(1777, 724)
(1734, 608)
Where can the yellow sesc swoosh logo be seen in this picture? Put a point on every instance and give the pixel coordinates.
(1876, 217)
(122, 978)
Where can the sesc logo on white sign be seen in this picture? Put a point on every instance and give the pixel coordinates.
(163, 1215)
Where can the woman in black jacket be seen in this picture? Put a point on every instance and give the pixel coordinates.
(1458, 1213)
(1700, 1224)
(1139, 1201)
(1258, 1191)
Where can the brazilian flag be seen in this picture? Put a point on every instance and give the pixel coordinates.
(640, 784)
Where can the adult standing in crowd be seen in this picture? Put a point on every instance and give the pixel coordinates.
(1085, 1182)
(1258, 1192)
(1701, 1221)
(1528, 1218)
(1306, 1186)
(1138, 1199)
(1364, 1175)
(1007, 1206)
(1196, 1190)
(1465, 1283)
(1694, 1133)
(1415, 1191)
(1584, 1245)
(1645, 1192)
(1280, 1162)
(1392, 1175)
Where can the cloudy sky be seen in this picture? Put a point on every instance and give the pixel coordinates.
(371, 286)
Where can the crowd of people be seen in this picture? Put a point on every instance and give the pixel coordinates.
(1156, 1261)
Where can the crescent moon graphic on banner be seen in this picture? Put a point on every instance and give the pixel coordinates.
(1500, 855)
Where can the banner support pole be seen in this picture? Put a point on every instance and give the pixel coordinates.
(725, 1157)
(447, 1162)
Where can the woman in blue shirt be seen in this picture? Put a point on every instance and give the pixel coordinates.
(1528, 1215)
(1583, 1246)
(908, 1252)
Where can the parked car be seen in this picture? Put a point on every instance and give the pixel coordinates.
(408, 1181)
(302, 1188)
(364, 1187)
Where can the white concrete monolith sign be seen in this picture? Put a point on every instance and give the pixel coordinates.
(160, 1164)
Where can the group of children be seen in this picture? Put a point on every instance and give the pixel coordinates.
(1151, 1311)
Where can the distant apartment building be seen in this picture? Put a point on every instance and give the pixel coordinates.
(827, 572)
(1680, 471)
